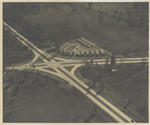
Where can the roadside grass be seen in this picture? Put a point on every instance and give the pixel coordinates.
(80, 57)
(69, 68)
(139, 54)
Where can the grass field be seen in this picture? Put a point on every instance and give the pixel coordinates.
(39, 98)
(13, 51)
(115, 27)
(69, 68)
(128, 90)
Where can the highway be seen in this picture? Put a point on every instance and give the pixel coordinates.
(58, 69)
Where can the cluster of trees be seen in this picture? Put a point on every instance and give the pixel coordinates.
(95, 72)
(134, 15)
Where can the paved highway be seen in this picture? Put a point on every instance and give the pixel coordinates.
(56, 67)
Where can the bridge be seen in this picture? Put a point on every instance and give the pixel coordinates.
(56, 66)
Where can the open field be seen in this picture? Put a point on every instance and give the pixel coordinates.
(39, 98)
(13, 51)
(116, 30)
(128, 89)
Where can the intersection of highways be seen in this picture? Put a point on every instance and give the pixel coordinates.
(58, 69)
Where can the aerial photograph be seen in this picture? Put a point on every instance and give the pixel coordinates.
(75, 62)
